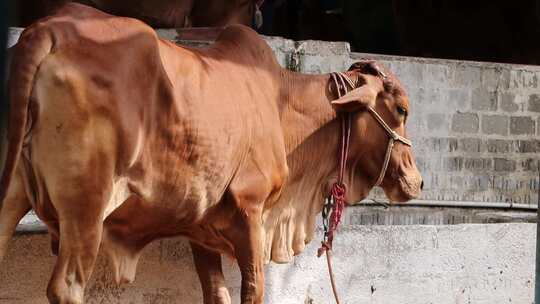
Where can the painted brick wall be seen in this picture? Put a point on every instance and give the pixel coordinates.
(474, 125)
(475, 128)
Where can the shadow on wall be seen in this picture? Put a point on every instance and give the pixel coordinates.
(500, 31)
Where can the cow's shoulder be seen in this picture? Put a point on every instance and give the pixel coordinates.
(245, 43)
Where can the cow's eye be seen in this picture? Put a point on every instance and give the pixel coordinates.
(401, 111)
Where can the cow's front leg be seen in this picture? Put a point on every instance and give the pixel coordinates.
(256, 183)
(248, 251)
(245, 234)
(208, 265)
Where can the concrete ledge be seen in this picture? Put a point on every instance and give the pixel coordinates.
(417, 212)
(480, 264)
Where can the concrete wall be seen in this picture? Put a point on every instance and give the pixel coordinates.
(457, 264)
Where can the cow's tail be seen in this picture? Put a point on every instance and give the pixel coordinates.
(33, 46)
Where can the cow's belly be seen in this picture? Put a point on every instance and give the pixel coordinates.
(185, 211)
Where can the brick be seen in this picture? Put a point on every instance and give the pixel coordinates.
(477, 182)
(428, 164)
(534, 103)
(498, 145)
(413, 71)
(416, 94)
(528, 146)
(456, 182)
(421, 164)
(465, 123)
(495, 124)
(508, 103)
(453, 163)
(438, 122)
(466, 76)
(484, 100)
(459, 99)
(470, 145)
(503, 164)
(496, 78)
(452, 144)
(436, 100)
(478, 164)
(442, 144)
(490, 77)
(530, 164)
(520, 125)
(437, 73)
(520, 79)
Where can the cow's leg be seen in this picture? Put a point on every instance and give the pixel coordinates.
(246, 238)
(208, 265)
(80, 206)
(80, 236)
(80, 202)
(12, 210)
(248, 192)
(248, 251)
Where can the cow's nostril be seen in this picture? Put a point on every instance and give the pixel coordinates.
(422, 185)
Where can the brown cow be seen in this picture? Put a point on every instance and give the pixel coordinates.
(157, 13)
(119, 137)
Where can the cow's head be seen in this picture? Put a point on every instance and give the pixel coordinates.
(382, 92)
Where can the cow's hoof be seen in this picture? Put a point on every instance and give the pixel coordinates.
(60, 293)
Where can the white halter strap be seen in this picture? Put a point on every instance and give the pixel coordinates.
(392, 134)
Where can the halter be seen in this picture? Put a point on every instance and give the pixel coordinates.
(391, 133)
(335, 202)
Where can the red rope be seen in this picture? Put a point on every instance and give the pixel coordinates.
(335, 203)
(338, 191)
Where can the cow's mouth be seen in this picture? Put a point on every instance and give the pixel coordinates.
(407, 188)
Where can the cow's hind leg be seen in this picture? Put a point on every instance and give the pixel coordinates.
(74, 148)
(12, 210)
(79, 193)
(208, 265)
(80, 200)
(80, 230)
(79, 244)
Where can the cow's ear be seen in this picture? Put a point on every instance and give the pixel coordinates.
(357, 99)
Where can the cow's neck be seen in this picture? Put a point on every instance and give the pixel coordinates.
(310, 127)
(312, 135)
